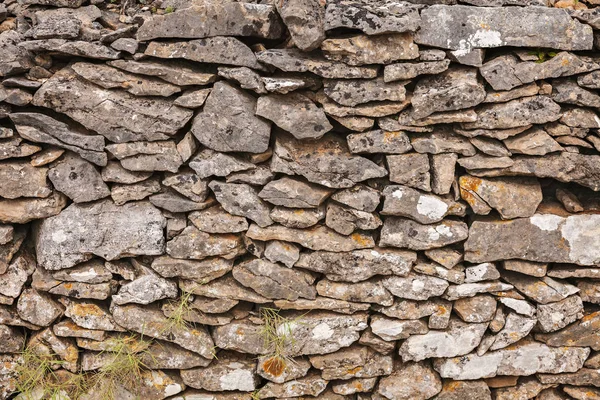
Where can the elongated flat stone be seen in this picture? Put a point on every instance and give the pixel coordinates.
(214, 19)
(408, 234)
(176, 72)
(373, 18)
(327, 161)
(227, 122)
(103, 229)
(523, 359)
(294, 60)
(118, 116)
(541, 238)
(316, 238)
(464, 28)
(363, 49)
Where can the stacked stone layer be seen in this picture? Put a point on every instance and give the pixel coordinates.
(341, 199)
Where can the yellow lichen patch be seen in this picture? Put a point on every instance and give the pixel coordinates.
(360, 239)
(85, 310)
(274, 366)
(352, 371)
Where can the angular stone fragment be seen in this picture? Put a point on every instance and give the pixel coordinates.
(458, 390)
(178, 73)
(196, 245)
(322, 303)
(358, 265)
(41, 128)
(360, 197)
(209, 162)
(346, 220)
(363, 49)
(505, 72)
(202, 271)
(16, 148)
(312, 385)
(21, 179)
(151, 322)
(74, 48)
(206, 19)
(534, 142)
(372, 18)
(554, 316)
(274, 281)
(372, 109)
(223, 288)
(454, 28)
(404, 233)
(103, 110)
(437, 310)
(379, 141)
(294, 60)
(245, 77)
(459, 339)
(407, 202)
(110, 78)
(415, 286)
(326, 161)
(242, 200)
(511, 197)
(351, 92)
(16, 274)
(38, 308)
(355, 361)
(456, 292)
(285, 253)
(294, 113)
(227, 122)
(371, 291)
(542, 238)
(410, 381)
(217, 220)
(286, 83)
(410, 169)
(228, 372)
(526, 358)
(145, 289)
(294, 193)
(391, 329)
(90, 315)
(316, 238)
(12, 340)
(475, 309)
(403, 71)
(21, 211)
(515, 328)
(192, 98)
(15, 59)
(78, 179)
(214, 50)
(147, 156)
(297, 218)
(582, 333)
(314, 333)
(454, 89)
(304, 20)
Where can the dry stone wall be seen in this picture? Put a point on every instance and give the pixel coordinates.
(341, 199)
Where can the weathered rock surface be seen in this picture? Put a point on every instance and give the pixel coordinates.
(405, 233)
(102, 229)
(362, 49)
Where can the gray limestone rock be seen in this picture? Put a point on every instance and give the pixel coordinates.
(21, 211)
(410, 203)
(402, 385)
(206, 19)
(175, 72)
(294, 113)
(305, 21)
(103, 229)
(103, 111)
(525, 358)
(293, 193)
(15, 59)
(274, 281)
(327, 161)
(41, 128)
(379, 141)
(315, 238)
(245, 77)
(454, 89)
(359, 196)
(346, 220)
(78, 179)
(456, 28)
(230, 371)
(371, 291)
(147, 156)
(21, 179)
(372, 18)
(227, 122)
(511, 197)
(209, 162)
(351, 92)
(242, 200)
(542, 238)
(73, 48)
(38, 308)
(402, 71)
(215, 50)
(216, 220)
(405, 233)
(533, 142)
(411, 169)
(297, 218)
(358, 265)
(363, 49)
(196, 245)
(294, 60)
(353, 362)
(552, 317)
(121, 194)
(285, 253)
(458, 339)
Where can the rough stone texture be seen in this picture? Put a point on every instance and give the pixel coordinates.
(341, 199)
